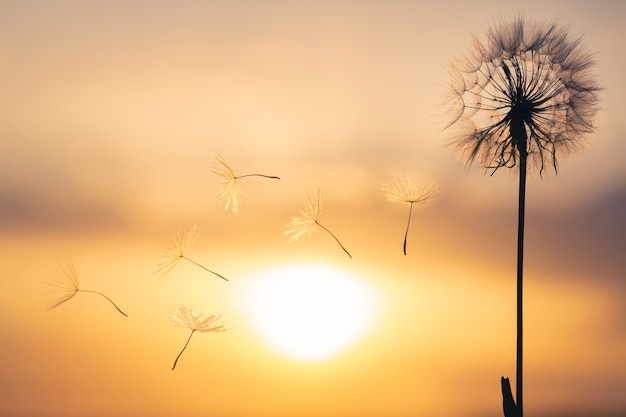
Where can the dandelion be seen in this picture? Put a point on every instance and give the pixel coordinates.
(522, 99)
(231, 193)
(184, 317)
(302, 227)
(183, 239)
(400, 189)
(66, 284)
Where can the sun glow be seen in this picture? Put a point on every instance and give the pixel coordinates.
(309, 312)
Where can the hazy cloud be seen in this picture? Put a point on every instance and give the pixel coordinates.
(44, 206)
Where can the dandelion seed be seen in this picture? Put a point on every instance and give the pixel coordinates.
(66, 285)
(183, 239)
(400, 189)
(231, 193)
(184, 317)
(302, 227)
(524, 98)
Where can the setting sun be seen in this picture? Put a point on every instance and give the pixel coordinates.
(309, 312)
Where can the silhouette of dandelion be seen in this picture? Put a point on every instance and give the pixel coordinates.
(184, 317)
(231, 193)
(400, 189)
(526, 92)
(183, 239)
(302, 227)
(66, 285)
(523, 98)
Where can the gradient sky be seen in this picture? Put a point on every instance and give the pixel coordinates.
(112, 114)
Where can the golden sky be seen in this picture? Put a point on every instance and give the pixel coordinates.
(111, 118)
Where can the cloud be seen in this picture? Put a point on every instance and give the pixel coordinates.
(48, 206)
(585, 243)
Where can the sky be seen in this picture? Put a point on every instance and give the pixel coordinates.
(111, 119)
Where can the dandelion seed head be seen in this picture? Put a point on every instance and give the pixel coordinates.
(303, 226)
(230, 193)
(184, 316)
(400, 189)
(526, 87)
(173, 253)
(300, 228)
(64, 283)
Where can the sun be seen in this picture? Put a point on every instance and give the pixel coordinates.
(309, 312)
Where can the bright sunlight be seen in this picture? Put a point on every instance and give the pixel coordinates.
(310, 312)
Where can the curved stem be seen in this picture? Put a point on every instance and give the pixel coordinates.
(406, 232)
(184, 347)
(205, 268)
(334, 237)
(257, 175)
(111, 301)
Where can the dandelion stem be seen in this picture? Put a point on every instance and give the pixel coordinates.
(408, 223)
(520, 263)
(184, 347)
(203, 267)
(257, 175)
(111, 301)
(334, 237)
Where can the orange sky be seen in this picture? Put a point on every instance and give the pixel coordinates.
(111, 117)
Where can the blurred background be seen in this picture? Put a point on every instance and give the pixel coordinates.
(111, 118)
